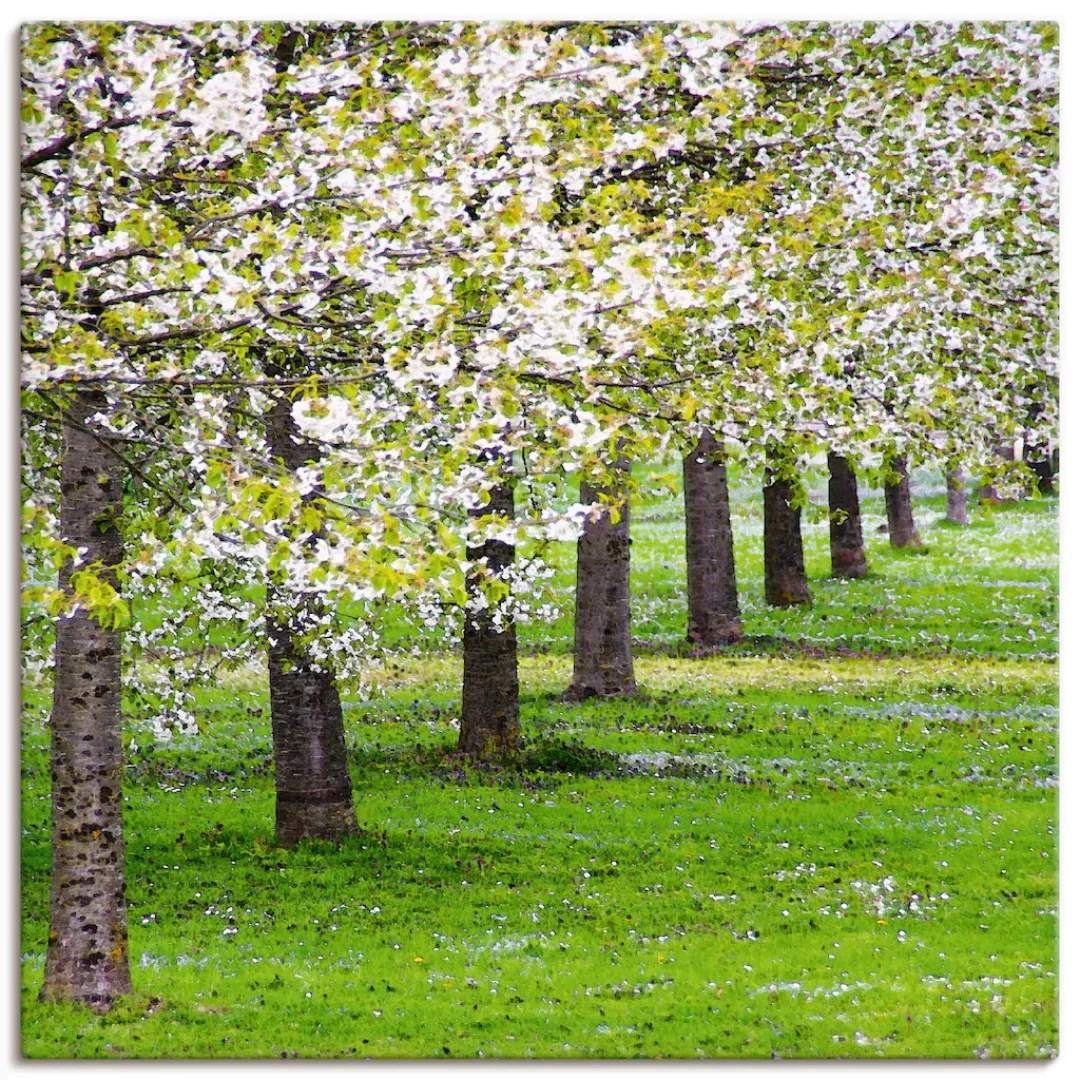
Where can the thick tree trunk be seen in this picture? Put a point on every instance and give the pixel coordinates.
(955, 496)
(87, 959)
(902, 532)
(313, 790)
(785, 571)
(845, 521)
(712, 593)
(490, 722)
(603, 663)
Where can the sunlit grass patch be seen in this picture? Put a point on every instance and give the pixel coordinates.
(439, 675)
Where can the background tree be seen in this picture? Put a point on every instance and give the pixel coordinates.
(785, 570)
(712, 593)
(955, 495)
(845, 521)
(490, 721)
(603, 660)
(312, 788)
(902, 532)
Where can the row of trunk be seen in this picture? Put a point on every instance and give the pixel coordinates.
(87, 947)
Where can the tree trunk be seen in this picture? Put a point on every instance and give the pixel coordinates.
(603, 663)
(87, 959)
(785, 571)
(490, 722)
(902, 533)
(1043, 462)
(845, 522)
(313, 791)
(955, 496)
(712, 593)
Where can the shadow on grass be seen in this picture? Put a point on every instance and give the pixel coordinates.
(759, 645)
(539, 759)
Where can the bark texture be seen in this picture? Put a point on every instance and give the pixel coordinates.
(845, 521)
(87, 958)
(603, 663)
(712, 592)
(489, 691)
(955, 496)
(313, 791)
(902, 532)
(785, 571)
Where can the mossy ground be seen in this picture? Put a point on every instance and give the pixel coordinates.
(838, 839)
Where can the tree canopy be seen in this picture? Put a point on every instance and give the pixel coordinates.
(449, 243)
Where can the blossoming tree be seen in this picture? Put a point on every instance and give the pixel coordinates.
(310, 307)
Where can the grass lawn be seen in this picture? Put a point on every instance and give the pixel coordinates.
(837, 839)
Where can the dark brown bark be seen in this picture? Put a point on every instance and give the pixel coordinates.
(785, 571)
(955, 496)
(87, 958)
(490, 723)
(1046, 471)
(313, 791)
(902, 532)
(603, 662)
(712, 592)
(845, 521)
(1041, 458)
(1043, 462)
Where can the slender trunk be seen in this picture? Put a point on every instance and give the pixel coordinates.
(902, 533)
(603, 663)
(313, 791)
(785, 571)
(845, 521)
(712, 593)
(955, 496)
(490, 721)
(87, 959)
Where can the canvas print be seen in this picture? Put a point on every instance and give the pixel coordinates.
(539, 540)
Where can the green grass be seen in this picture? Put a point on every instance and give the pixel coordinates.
(787, 849)
(987, 589)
